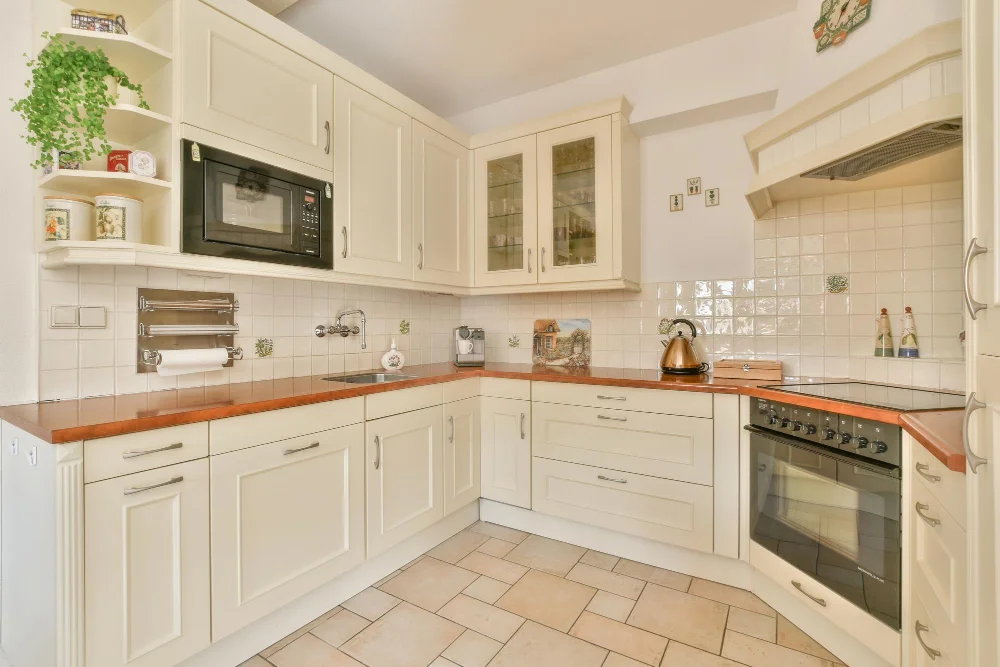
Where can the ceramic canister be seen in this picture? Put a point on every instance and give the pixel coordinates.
(119, 218)
(69, 219)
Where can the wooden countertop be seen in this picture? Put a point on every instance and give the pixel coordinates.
(89, 418)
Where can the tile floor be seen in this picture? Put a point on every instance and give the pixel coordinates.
(498, 597)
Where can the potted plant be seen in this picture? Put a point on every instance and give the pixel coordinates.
(68, 99)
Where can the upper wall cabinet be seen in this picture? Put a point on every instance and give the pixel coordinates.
(372, 201)
(242, 85)
(440, 209)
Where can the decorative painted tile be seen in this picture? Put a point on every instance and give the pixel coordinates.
(712, 197)
(694, 186)
(264, 347)
(837, 284)
(562, 343)
(404, 327)
(676, 203)
(514, 342)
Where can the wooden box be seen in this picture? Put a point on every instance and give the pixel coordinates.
(746, 369)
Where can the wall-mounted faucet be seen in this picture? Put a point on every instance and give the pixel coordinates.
(343, 329)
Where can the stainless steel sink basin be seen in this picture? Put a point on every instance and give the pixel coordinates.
(370, 378)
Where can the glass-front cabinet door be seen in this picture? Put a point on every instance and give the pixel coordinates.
(506, 209)
(574, 202)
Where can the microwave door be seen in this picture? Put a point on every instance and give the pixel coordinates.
(249, 209)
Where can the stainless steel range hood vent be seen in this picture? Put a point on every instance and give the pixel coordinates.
(907, 147)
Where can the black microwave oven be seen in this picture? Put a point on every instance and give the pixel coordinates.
(244, 209)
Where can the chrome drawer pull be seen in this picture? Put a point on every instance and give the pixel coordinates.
(522, 426)
(612, 419)
(378, 452)
(144, 452)
(971, 406)
(451, 421)
(820, 601)
(611, 398)
(933, 654)
(301, 449)
(922, 469)
(139, 489)
(931, 521)
(974, 251)
(612, 479)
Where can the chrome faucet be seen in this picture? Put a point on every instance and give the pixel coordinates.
(343, 329)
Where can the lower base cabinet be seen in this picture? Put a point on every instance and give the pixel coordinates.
(403, 471)
(147, 567)
(463, 432)
(286, 518)
(506, 450)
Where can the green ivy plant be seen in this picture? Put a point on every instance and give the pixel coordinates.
(68, 100)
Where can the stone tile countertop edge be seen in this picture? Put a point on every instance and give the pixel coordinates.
(104, 416)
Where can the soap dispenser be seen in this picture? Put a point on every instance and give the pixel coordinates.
(393, 360)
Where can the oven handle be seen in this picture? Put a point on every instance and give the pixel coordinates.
(887, 471)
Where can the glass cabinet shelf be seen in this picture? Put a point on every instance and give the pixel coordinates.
(505, 213)
(574, 203)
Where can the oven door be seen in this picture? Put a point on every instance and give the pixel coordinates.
(830, 515)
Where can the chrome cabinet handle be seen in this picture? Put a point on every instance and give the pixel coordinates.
(420, 262)
(974, 251)
(378, 452)
(820, 601)
(139, 489)
(612, 479)
(541, 261)
(143, 452)
(328, 136)
(451, 421)
(613, 419)
(971, 406)
(919, 628)
(343, 253)
(931, 521)
(529, 260)
(612, 398)
(522, 426)
(922, 469)
(301, 449)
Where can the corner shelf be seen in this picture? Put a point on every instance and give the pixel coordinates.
(127, 124)
(135, 57)
(92, 183)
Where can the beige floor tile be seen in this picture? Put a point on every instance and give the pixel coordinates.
(308, 651)
(751, 623)
(429, 584)
(790, 636)
(615, 660)
(340, 628)
(405, 637)
(486, 589)
(255, 661)
(619, 584)
(656, 575)
(613, 606)
(500, 532)
(682, 655)
(736, 597)
(371, 603)
(620, 638)
(442, 662)
(541, 553)
(485, 619)
(599, 559)
(757, 653)
(413, 562)
(547, 599)
(472, 650)
(378, 584)
(277, 646)
(458, 546)
(495, 568)
(535, 645)
(496, 548)
(689, 619)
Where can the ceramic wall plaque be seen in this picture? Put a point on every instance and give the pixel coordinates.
(694, 186)
(837, 19)
(562, 343)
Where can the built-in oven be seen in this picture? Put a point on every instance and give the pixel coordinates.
(241, 208)
(825, 497)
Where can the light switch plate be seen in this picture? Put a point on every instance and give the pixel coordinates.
(93, 317)
(64, 317)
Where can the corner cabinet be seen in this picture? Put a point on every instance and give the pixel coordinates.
(506, 450)
(461, 453)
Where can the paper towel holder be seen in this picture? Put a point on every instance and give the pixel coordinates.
(170, 319)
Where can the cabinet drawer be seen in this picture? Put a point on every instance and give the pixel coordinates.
(506, 388)
(232, 433)
(460, 390)
(403, 400)
(658, 509)
(947, 486)
(105, 458)
(928, 635)
(686, 403)
(667, 446)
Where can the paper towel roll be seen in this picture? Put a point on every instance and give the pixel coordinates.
(180, 362)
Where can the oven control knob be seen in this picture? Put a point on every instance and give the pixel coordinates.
(773, 419)
(829, 434)
(796, 426)
(845, 438)
(862, 442)
(879, 447)
(810, 429)
(785, 422)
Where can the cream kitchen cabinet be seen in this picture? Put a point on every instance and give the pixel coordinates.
(147, 567)
(287, 517)
(462, 466)
(238, 83)
(506, 450)
(372, 172)
(440, 209)
(404, 475)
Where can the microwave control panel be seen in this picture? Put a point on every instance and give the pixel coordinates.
(309, 230)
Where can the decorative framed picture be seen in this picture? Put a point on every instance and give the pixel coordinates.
(837, 19)
(694, 186)
(676, 203)
(712, 197)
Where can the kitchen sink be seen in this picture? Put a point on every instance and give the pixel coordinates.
(370, 378)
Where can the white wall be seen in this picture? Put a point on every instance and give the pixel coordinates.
(18, 272)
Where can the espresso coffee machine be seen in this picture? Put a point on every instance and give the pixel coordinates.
(470, 346)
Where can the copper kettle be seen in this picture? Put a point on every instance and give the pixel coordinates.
(679, 357)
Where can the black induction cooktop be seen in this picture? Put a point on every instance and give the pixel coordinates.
(877, 395)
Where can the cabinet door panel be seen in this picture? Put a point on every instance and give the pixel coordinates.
(147, 554)
(404, 473)
(286, 518)
(506, 451)
(242, 85)
(372, 198)
(463, 432)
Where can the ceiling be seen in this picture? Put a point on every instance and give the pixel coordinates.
(456, 55)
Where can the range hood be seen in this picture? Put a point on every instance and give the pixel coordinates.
(895, 121)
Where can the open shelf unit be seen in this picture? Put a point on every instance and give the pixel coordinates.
(92, 183)
(140, 57)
